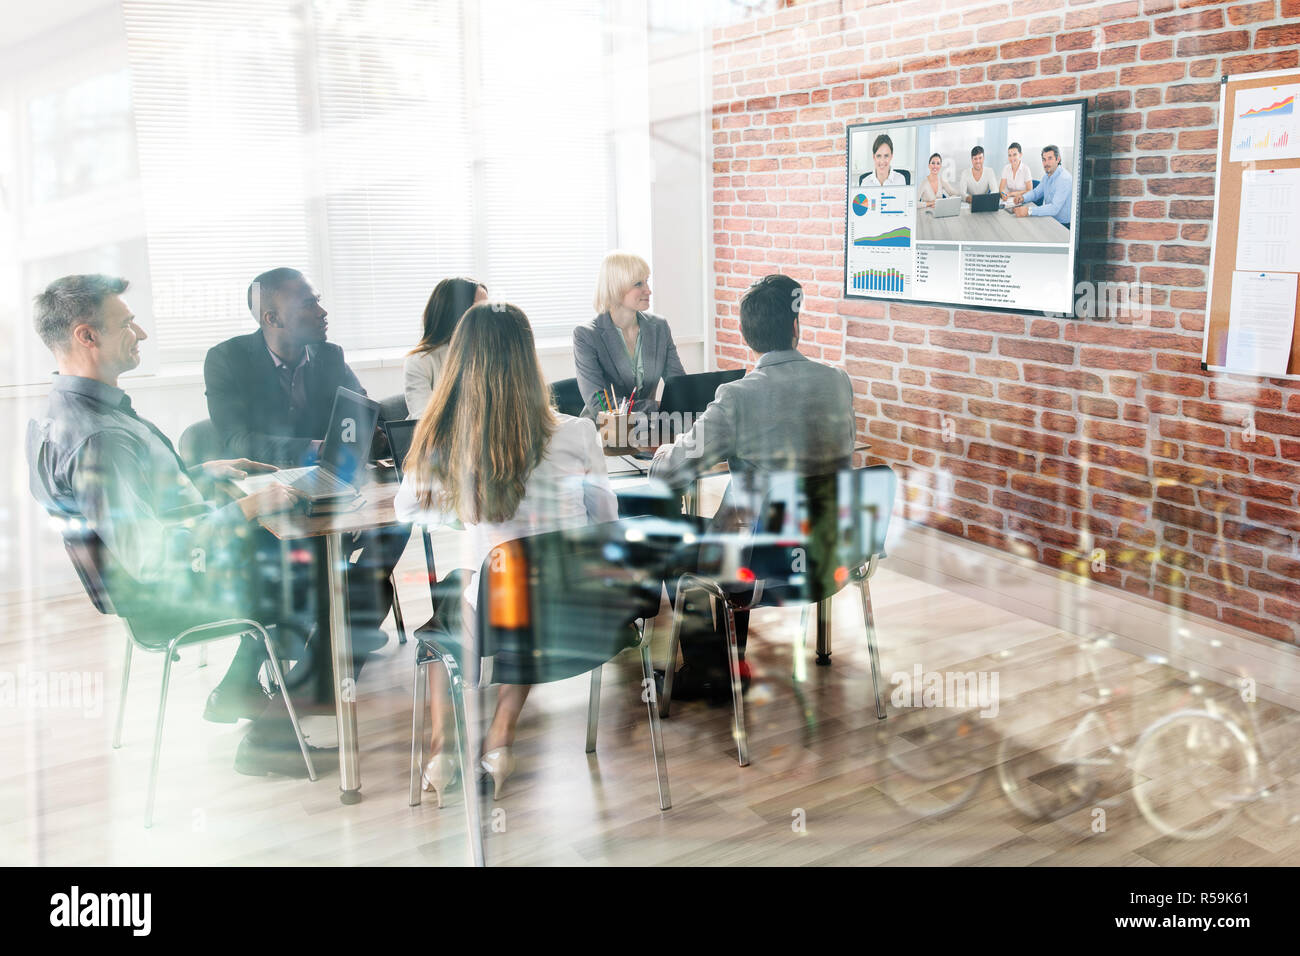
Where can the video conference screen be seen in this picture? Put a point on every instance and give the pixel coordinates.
(974, 209)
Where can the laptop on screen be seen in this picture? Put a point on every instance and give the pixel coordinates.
(345, 453)
(944, 208)
(989, 202)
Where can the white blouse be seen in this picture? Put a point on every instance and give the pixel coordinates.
(569, 488)
(420, 372)
(1017, 182)
(895, 178)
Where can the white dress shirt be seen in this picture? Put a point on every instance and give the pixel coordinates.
(420, 375)
(895, 178)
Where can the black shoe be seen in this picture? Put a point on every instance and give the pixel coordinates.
(693, 683)
(230, 701)
(255, 759)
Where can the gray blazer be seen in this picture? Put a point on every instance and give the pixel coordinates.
(601, 359)
(788, 414)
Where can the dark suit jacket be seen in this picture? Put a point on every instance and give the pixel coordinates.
(601, 360)
(247, 406)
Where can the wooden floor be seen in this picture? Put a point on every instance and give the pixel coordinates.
(828, 784)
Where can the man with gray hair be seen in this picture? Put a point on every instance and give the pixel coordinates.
(169, 558)
(1056, 191)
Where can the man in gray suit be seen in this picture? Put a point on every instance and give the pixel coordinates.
(788, 414)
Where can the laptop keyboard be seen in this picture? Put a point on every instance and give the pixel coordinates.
(312, 480)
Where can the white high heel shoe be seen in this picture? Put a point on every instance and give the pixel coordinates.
(500, 763)
(439, 774)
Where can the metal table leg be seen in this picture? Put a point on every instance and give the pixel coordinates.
(345, 685)
(824, 633)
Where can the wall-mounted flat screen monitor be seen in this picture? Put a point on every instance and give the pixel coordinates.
(1010, 241)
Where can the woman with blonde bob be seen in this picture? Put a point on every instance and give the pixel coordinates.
(624, 351)
(491, 453)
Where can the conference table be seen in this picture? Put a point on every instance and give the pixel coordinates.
(376, 511)
(998, 226)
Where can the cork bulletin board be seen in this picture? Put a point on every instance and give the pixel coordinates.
(1256, 215)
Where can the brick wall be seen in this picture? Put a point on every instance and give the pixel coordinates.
(1065, 435)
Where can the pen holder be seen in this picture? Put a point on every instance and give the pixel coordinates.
(613, 428)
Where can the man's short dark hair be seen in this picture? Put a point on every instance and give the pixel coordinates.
(768, 311)
(268, 284)
(69, 301)
(1054, 151)
(977, 151)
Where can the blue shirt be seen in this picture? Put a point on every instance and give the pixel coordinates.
(1057, 193)
(93, 459)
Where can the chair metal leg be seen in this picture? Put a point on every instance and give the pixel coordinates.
(593, 709)
(799, 670)
(397, 611)
(465, 709)
(679, 606)
(656, 732)
(737, 692)
(274, 661)
(203, 655)
(869, 620)
(824, 633)
(157, 736)
(121, 698)
(419, 723)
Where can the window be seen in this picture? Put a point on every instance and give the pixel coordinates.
(379, 146)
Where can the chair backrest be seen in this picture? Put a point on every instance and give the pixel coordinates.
(692, 393)
(200, 442)
(85, 550)
(802, 535)
(566, 397)
(392, 408)
(906, 174)
(558, 604)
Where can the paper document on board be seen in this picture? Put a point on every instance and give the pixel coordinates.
(1268, 226)
(1261, 323)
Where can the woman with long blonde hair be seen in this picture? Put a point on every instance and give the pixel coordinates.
(491, 453)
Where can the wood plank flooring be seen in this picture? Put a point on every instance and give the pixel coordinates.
(828, 784)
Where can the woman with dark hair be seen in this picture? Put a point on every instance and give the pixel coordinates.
(491, 453)
(882, 154)
(450, 300)
(934, 186)
(1015, 174)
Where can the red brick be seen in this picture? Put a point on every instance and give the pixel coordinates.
(1288, 35)
(1039, 351)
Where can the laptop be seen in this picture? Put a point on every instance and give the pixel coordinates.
(989, 202)
(943, 208)
(344, 455)
(692, 393)
(400, 433)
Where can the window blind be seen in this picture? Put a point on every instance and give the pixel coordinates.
(379, 146)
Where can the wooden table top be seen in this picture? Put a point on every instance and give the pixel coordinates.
(376, 511)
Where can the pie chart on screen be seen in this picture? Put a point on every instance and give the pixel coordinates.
(860, 204)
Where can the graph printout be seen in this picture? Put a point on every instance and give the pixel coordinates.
(1268, 228)
(1265, 124)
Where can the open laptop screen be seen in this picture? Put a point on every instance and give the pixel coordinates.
(351, 432)
(400, 434)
